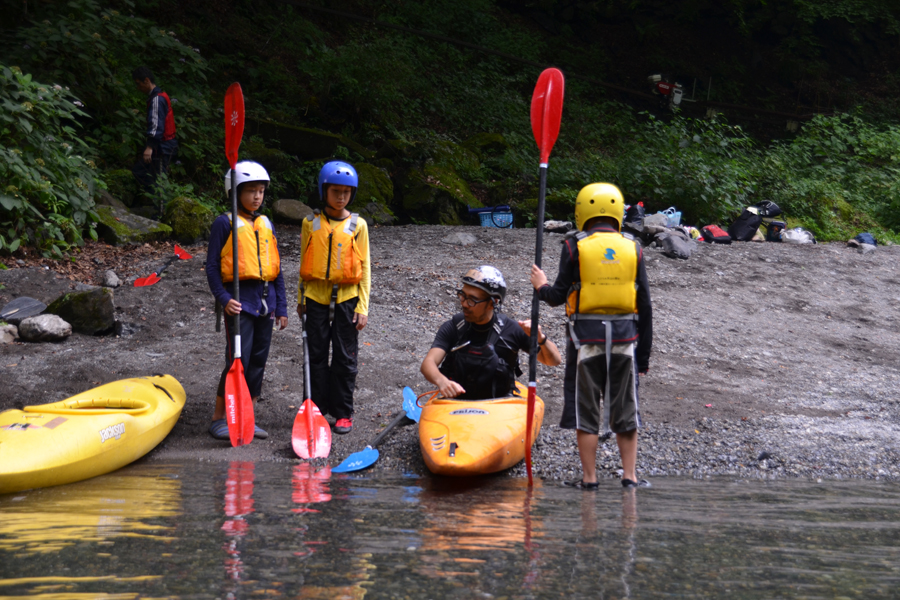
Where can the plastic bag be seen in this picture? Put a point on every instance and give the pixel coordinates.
(797, 235)
(673, 216)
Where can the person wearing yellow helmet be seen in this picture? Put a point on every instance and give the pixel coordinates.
(603, 283)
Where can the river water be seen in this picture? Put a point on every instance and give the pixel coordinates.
(245, 530)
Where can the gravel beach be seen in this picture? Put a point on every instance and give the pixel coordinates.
(769, 360)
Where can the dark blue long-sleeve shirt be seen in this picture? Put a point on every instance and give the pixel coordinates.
(157, 110)
(251, 289)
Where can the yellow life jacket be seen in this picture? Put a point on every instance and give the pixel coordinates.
(331, 254)
(608, 267)
(257, 251)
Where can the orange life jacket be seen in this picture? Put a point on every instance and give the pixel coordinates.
(331, 254)
(257, 251)
(608, 268)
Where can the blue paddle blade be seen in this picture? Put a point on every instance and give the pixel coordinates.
(358, 461)
(410, 406)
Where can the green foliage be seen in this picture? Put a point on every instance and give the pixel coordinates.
(47, 191)
(93, 50)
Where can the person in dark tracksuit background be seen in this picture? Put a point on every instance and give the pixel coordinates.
(161, 145)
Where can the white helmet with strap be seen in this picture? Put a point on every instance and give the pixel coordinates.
(245, 171)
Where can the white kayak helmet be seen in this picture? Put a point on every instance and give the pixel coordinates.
(245, 171)
(487, 278)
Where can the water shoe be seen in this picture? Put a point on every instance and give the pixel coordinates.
(628, 483)
(219, 429)
(582, 485)
(343, 426)
(259, 433)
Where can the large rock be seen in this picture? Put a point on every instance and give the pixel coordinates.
(275, 161)
(90, 312)
(190, 221)
(118, 227)
(104, 198)
(302, 141)
(20, 309)
(375, 194)
(461, 159)
(44, 328)
(437, 195)
(8, 334)
(290, 211)
(487, 144)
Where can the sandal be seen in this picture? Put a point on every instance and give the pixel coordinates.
(219, 429)
(582, 485)
(628, 483)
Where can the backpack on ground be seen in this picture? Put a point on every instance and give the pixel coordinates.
(634, 216)
(715, 235)
(773, 229)
(745, 226)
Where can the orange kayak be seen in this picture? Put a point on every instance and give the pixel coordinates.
(475, 437)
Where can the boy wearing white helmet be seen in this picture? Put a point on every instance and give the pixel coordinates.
(335, 281)
(603, 282)
(263, 299)
(475, 355)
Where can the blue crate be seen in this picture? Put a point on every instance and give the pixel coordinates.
(496, 219)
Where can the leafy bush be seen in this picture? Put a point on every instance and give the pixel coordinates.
(48, 184)
(93, 50)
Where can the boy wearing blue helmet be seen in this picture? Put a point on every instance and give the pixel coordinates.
(335, 280)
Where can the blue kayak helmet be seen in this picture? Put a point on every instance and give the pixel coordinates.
(338, 173)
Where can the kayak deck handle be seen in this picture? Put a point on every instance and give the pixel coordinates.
(96, 406)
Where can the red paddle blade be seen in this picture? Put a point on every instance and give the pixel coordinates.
(532, 390)
(234, 122)
(148, 280)
(238, 406)
(311, 436)
(180, 253)
(546, 110)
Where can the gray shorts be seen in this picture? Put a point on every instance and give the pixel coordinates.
(590, 387)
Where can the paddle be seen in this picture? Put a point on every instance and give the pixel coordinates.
(180, 254)
(311, 434)
(367, 457)
(546, 113)
(238, 403)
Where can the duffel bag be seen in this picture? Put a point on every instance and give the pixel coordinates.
(745, 226)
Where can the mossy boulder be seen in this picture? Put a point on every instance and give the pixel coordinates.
(437, 195)
(118, 227)
(304, 142)
(90, 312)
(275, 161)
(487, 144)
(122, 185)
(395, 149)
(375, 194)
(462, 160)
(190, 221)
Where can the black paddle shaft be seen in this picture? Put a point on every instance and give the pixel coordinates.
(387, 429)
(536, 300)
(234, 254)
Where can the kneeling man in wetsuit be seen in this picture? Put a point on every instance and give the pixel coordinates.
(475, 355)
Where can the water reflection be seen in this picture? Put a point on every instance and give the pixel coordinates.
(97, 510)
(244, 530)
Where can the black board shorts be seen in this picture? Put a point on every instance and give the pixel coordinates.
(590, 387)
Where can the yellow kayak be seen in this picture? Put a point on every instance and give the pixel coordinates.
(89, 434)
(474, 437)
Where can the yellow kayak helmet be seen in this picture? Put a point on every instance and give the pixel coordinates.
(599, 200)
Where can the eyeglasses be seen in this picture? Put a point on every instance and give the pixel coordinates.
(469, 300)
